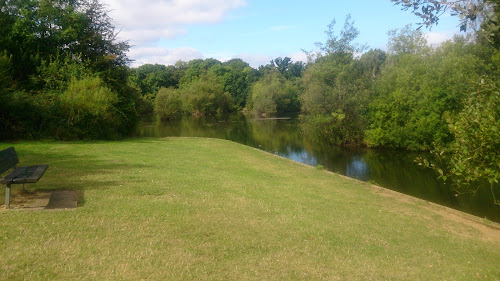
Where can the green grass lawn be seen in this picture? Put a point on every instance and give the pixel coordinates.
(205, 209)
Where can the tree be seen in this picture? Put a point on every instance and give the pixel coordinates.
(272, 94)
(372, 61)
(336, 89)
(414, 92)
(151, 77)
(473, 14)
(406, 41)
(472, 157)
(238, 78)
(168, 104)
(50, 44)
(288, 68)
(470, 12)
(206, 96)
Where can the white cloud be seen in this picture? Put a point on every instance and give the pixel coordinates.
(166, 56)
(146, 21)
(169, 56)
(255, 60)
(300, 56)
(436, 38)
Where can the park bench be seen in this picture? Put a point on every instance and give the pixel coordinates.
(19, 175)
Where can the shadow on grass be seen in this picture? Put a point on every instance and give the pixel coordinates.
(45, 200)
(69, 172)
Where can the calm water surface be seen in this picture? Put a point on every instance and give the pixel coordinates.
(392, 169)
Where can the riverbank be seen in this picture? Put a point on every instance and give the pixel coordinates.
(393, 169)
(207, 209)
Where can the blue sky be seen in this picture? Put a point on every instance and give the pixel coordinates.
(254, 30)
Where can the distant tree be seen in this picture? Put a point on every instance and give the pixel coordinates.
(372, 62)
(341, 43)
(274, 93)
(238, 78)
(150, 78)
(197, 67)
(168, 104)
(206, 96)
(406, 41)
(287, 68)
(336, 89)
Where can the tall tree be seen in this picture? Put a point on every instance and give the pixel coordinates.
(335, 91)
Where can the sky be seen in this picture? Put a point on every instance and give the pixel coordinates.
(257, 31)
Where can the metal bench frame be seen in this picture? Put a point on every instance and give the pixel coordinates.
(19, 175)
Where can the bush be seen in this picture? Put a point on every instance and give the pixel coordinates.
(168, 104)
(415, 92)
(206, 96)
(90, 109)
(273, 94)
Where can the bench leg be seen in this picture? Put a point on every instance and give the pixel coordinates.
(7, 196)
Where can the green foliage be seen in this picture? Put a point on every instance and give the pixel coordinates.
(150, 78)
(40, 29)
(344, 42)
(336, 89)
(5, 71)
(90, 108)
(195, 69)
(238, 78)
(57, 73)
(476, 148)
(46, 46)
(473, 158)
(168, 104)
(406, 41)
(334, 99)
(472, 14)
(206, 96)
(414, 91)
(274, 93)
(325, 128)
(372, 63)
(287, 68)
(469, 11)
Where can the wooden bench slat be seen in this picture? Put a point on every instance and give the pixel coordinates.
(29, 174)
(10, 177)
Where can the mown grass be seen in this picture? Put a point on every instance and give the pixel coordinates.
(204, 209)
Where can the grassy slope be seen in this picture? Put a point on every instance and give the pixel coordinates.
(199, 209)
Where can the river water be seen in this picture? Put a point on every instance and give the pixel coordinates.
(392, 169)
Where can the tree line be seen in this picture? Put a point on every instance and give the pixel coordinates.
(414, 96)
